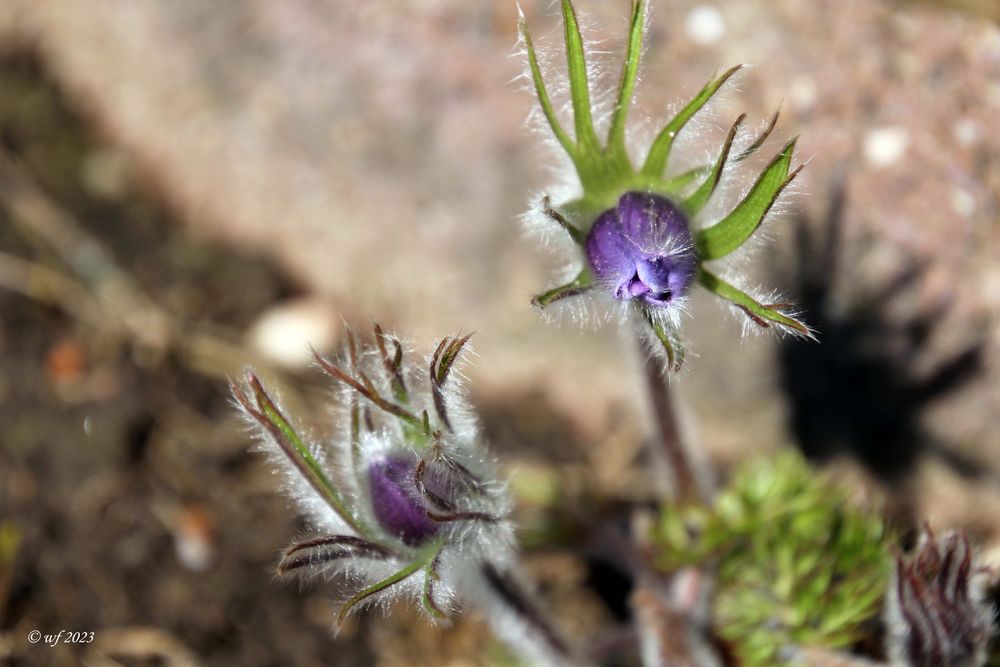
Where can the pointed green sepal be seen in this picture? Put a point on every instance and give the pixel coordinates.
(365, 387)
(656, 161)
(579, 86)
(669, 339)
(681, 182)
(266, 413)
(693, 204)
(445, 356)
(732, 231)
(630, 71)
(759, 141)
(393, 363)
(762, 314)
(543, 96)
(431, 577)
(552, 214)
(578, 285)
(376, 588)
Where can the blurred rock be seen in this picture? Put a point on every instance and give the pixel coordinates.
(704, 25)
(378, 150)
(885, 146)
(287, 333)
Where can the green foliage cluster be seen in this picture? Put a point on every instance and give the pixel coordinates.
(795, 563)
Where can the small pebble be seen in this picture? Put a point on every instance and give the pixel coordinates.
(965, 131)
(963, 203)
(705, 25)
(885, 146)
(105, 173)
(285, 333)
(802, 94)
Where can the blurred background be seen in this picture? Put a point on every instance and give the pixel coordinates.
(190, 186)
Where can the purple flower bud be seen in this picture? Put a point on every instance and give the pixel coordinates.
(396, 501)
(643, 250)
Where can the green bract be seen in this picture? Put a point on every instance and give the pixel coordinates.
(796, 565)
(605, 171)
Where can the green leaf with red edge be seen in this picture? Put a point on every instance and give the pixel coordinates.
(668, 339)
(733, 231)
(424, 558)
(659, 152)
(266, 413)
(578, 285)
(761, 313)
(693, 204)
(377, 588)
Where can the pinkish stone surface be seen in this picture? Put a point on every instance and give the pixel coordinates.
(377, 148)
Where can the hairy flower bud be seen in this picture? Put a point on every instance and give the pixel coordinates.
(641, 227)
(404, 498)
(936, 609)
(642, 249)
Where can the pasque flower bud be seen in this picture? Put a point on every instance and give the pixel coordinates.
(642, 229)
(642, 250)
(419, 509)
(405, 500)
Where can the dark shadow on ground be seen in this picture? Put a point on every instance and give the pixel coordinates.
(855, 392)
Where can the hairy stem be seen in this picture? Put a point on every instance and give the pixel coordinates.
(669, 446)
(517, 602)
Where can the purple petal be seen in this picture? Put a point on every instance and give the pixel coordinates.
(656, 273)
(650, 222)
(672, 273)
(610, 257)
(636, 287)
(398, 508)
(642, 249)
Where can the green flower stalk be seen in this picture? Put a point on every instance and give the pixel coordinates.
(639, 229)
